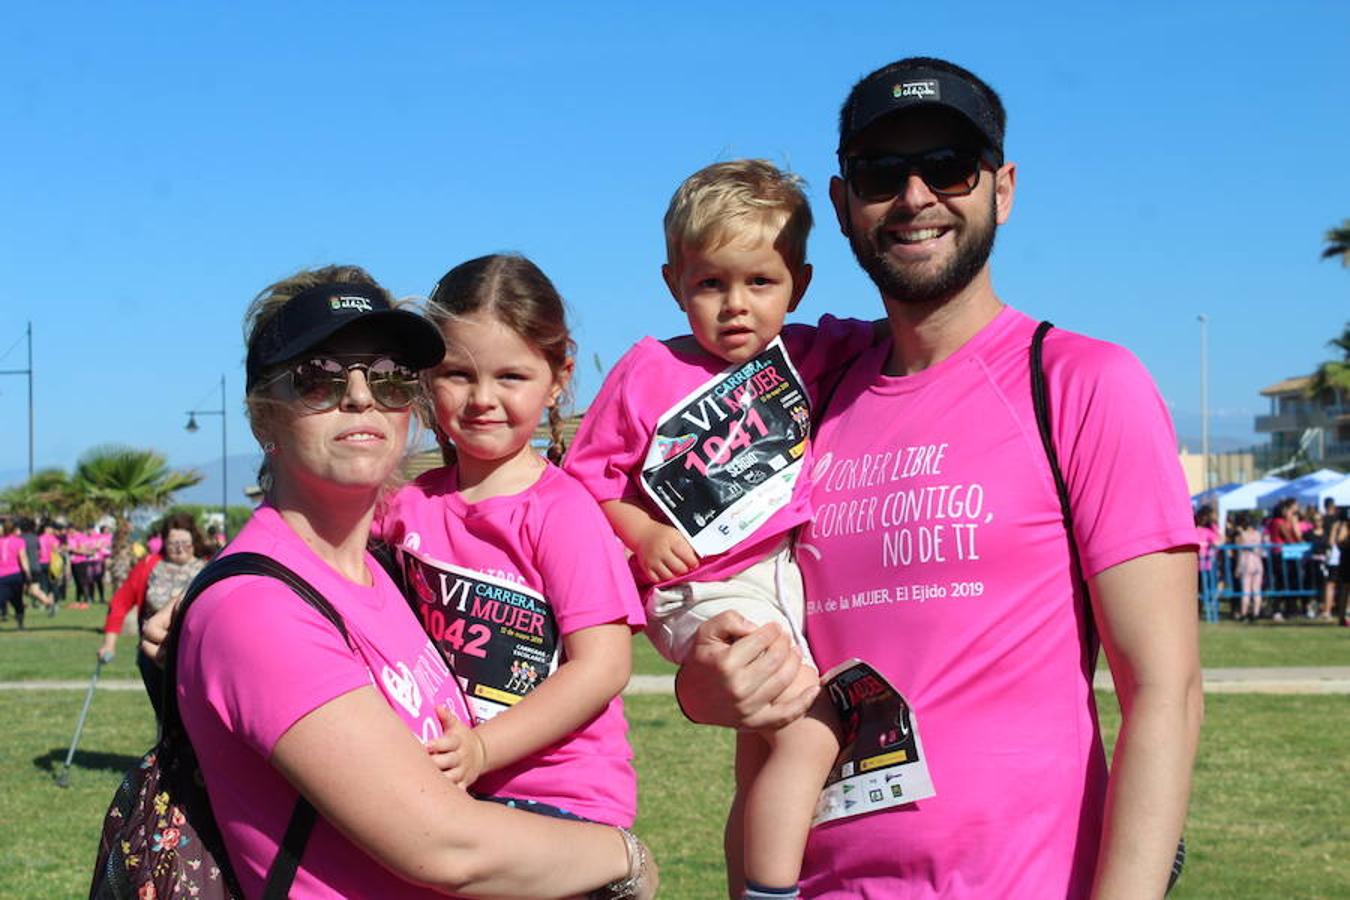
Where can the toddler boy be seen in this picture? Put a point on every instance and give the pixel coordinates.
(697, 449)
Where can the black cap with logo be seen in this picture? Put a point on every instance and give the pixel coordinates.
(910, 84)
(316, 314)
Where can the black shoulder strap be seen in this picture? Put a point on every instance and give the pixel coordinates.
(282, 872)
(1040, 401)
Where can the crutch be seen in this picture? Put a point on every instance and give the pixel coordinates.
(63, 780)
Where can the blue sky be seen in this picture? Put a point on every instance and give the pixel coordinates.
(163, 162)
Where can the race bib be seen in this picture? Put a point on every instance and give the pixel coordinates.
(727, 457)
(881, 761)
(499, 638)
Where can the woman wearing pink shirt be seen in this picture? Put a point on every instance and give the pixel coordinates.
(278, 705)
(13, 573)
(1208, 537)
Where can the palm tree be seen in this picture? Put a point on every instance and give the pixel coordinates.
(120, 480)
(1334, 375)
(1338, 243)
(48, 494)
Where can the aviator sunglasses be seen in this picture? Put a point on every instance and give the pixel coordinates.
(319, 382)
(948, 172)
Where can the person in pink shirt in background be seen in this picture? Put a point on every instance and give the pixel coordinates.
(81, 550)
(1207, 537)
(513, 569)
(936, 506)
(14, 569)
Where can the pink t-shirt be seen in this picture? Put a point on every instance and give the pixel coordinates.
(10, 545)
(611, 444)
(255, 659)
(552, 539)
(938, 554)
(80, 545)
(1207, 537)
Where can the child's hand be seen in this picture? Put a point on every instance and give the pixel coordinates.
(663, 553)
(459, 752)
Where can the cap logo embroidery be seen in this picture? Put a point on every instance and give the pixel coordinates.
(358, 303)
(917, 89)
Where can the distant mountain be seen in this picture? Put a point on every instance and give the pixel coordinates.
(242, 472)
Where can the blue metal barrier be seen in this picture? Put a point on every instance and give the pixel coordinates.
(1289, 572)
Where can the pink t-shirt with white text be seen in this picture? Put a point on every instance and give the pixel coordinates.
(255, 659)
(611, 444)
(553, 539)
(938, 554)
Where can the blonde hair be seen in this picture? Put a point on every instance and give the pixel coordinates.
(725, 200)
(520, 296)
(268, 302)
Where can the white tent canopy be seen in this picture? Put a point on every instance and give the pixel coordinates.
(1338, 490)
(1245, 497)
(1213, 494)
(1297, 486)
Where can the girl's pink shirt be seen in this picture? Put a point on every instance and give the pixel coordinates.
(553, 539)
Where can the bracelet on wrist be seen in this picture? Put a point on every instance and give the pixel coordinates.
(627, 886)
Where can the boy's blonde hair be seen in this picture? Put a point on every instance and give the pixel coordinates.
(723, 201)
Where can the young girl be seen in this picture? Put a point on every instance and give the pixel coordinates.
(1250, 569)
(515, 573)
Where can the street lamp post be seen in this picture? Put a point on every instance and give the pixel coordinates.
(224, 478)
(29, 372)
(1204, 397)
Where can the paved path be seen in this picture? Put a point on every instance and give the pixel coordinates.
(1292, 680)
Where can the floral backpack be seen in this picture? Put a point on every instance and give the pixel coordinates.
(160, 839)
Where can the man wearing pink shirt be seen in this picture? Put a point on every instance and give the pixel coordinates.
(938, 553)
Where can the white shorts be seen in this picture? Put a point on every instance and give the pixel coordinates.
(768, 591)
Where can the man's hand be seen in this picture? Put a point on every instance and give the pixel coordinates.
(155, 632)
(663, 553)
(459, 752)
(741, 676)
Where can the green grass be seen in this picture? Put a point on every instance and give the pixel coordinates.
(1268, 817)
(63, 647)
(1295, 643)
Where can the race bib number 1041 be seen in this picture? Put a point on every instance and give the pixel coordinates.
(727, 457)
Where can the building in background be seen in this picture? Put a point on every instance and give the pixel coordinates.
(1317, 426)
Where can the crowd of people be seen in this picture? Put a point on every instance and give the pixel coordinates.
(1292, 563)
(40, 559)
(766, 501)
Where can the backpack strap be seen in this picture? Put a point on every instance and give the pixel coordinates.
(1040, 401)
(281, 874)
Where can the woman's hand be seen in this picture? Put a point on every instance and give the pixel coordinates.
(108, 649)
(155, 632)
(459, 752)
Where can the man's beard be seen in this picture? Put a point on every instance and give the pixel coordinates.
(896, 283)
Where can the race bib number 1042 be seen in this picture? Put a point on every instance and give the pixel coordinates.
(499, 638)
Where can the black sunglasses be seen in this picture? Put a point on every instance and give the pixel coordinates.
(948, 172)
(319, 382)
